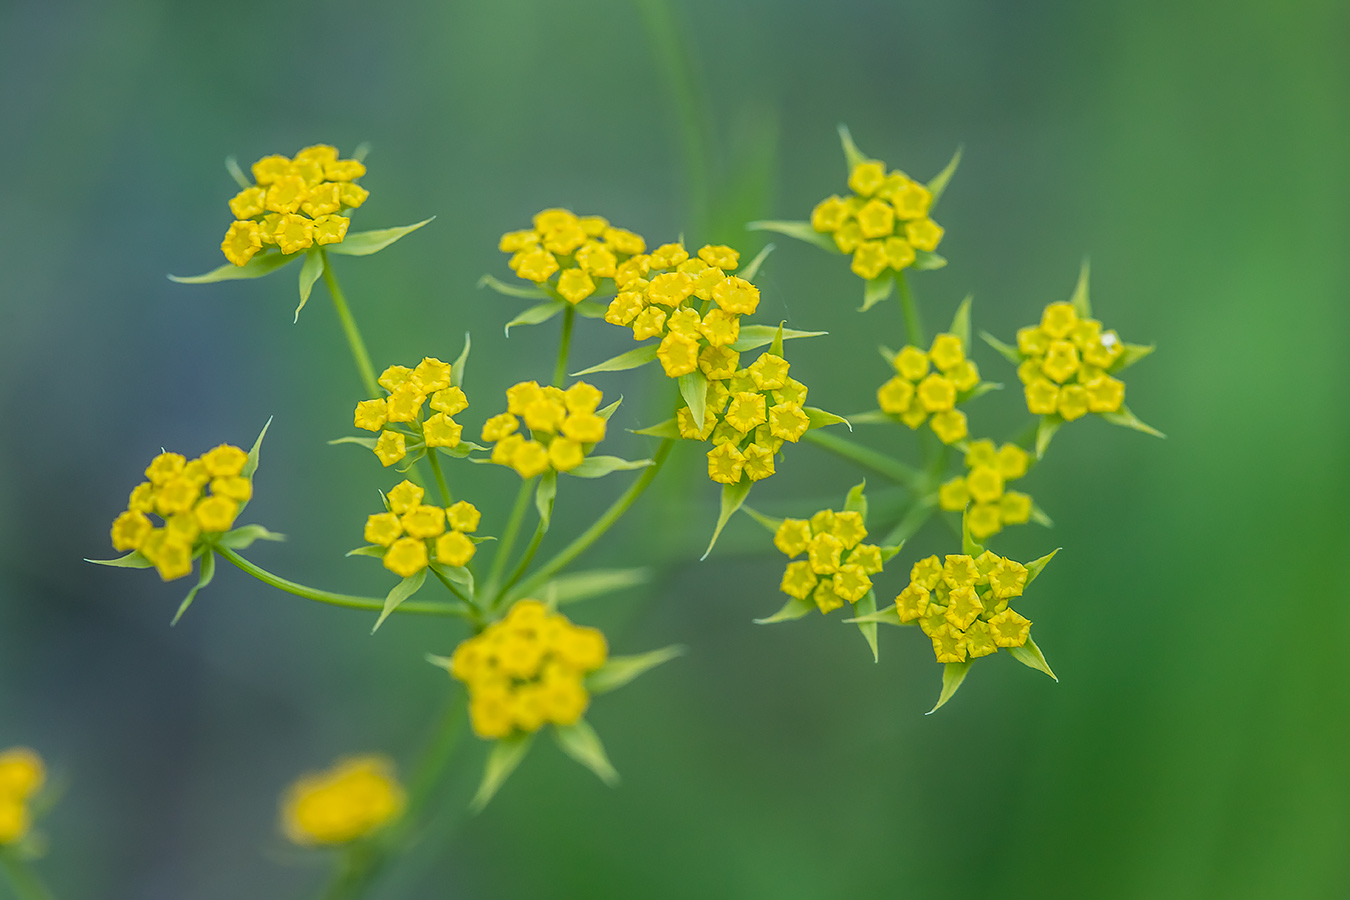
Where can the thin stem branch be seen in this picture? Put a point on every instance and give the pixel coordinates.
(23, 881)
(910, 311)
(354, 341)
(450, 585)
(564, 345)
(435, 463)
(866, 457)
(606, 521)
(526, 558)
(507, 542)
(344, 600)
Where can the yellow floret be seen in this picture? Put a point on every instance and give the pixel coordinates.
(343, 170)
(215, 514)
(936, 393)
(515, 241)
(788, 422)
(270, 168)
(798, 580)
(574, 285)
(946, 352)
(736, 295)
(390, 448)
(984, 520)
(1105, 394)
(529, 459)
(293, 233)
(912, 602)
(963, 607)
(678, 355)
(450, 401)
(441, 431)
(624, 308)
(1010, 628)
(370, 415)
(454, 549)
(356, 797)
(895, 395)
(769, 372)
(926, 573)
(851, 583)
(823, 552)
(1013, 461)
(565, 455)
(624, 241)
(912, 363)
(670, 289)
(1007, 579)
(649, 323)
(758, 462)
(869, 259)
(876, 219)
(242, 240)
(537, 265)
(383, 529)
(924, 234)
(129, 531)
(248, 203)
(406, 557)
(949, 644)
(830, 214)
(848, 527)
(725, 463)
(499, 426)
(1059, 320)
(405, 403)
(985, 483)
(912, 201)
(953, 495)
(746, 411)
(1042, 397)
(866, 177)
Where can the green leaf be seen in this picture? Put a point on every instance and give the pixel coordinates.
(364, 243)
(257, 267)
(802, 231)
(208, 571)
(580, 742)
(1127, 419)
(792, 609)
(666, 429)
(889, 552)
(926, 260)
(1030, 655)
(132, 560)
(877, 289)
(694, 390)
(938, 185)
(545, 494)
(619, 670)
(457, 370)
(776, 346)
(820, 418)
(638, 356)
(1035, 567)
(605, 412)
(1040, 518)
(243, 537)
(1045, 432)
(978, 390)
(856, 500)
(368, 550)
(251, 465)
(866, 607)
(457, 574)
(589, 310)
(502, 760)
(1009, 353)
(361, 152)
(952, 676)
(871, 417)
(600, 466)
(733, 495)
(1131, 355)
(514, 290)
(232, 166)
(461, 450)
(753, 336)
(536, 314)
(961, 323)
(1081, 303)
(578, 586)
(888, 616)
(309, 273)
(768, 522)
(368, 443)
(851, 152)
(400, 592)
(750, 271)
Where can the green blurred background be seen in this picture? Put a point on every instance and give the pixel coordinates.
(1197, 744)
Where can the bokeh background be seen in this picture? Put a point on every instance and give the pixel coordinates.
(1197, 743)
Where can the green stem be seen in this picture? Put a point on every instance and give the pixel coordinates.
(358, 346)
(912, 521)
(24, 883)
(526, 558)
(508, 538)
(601, 525)
(564, 345)
(450, 585)
(866, 457)
(446, 499)
(345, 600)
(913, 324)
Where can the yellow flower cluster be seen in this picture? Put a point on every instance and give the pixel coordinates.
(527, 670)
(983, 486)
(408, 390)
(687, 301)
(882, 222)
(295, 203)
(191, 497)
(1066, 361)
(21, 776)
(354, 798)
(962, 604)
(564, 427)
(915, 392)
(748, 414)
(838, 565)
(414, 534)
(579, 250)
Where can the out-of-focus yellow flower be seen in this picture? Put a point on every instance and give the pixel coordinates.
(355, 798)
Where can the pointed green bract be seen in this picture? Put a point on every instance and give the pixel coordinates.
(793, 609)
(132, 560)
(243, 537)
(952, 676)
(638, 356)
(514, 290)
(1045, 432)
(1081, 303)
(768, 522)
(864, 608)
(374, 550)
(457, 370)
(926, 260)
(257, 267)
(251, 465)
(753, 336)
(749, 271)
(605, 412)
(776, 346)
(871, 417)
(589, 310)
(620, 670)
(1035, 567)
(888, 616)
(580, 742)
(456, 574)
(1007, 352)
(961, 323)
(502, 760)
(600, 466)
(1131, 355)
(368, 443)
(694, 390)
(1031, 656)
(364, 243)
(969, 546)
(536, 315)
(232, 166)
(400, 592)
(544, 496)
(852, 155)
(938, 185)
(310, 272)
(208, 571)
(1127, 419)
(978, 390)
(666, 429)
(802, 231)
(877, 289)
(1040, 518)
(856, 500)
(578, 586)
(733, 495)
(819, 418)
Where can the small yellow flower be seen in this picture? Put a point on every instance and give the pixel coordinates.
(719, 255)
(441, 431)
(1007, 579)
(142, 498)
(404, 497)
(959, 571)
(1042, 397)
(454, 549)
(406, 557)
(176, 495)
(788, 422)
(129, 531)
(746, 411)
(1058, 320)
(624, 241)
(1104, 351)
(912, 602)
(565, 455)
(946, 352)
(936, 393)
(830, 214)
(215, 514)
(926, 573)
(1105, 394)
(866, 177)
(668, 256)
(678, 355)
(1014, 508)
(725, 463)
(984, 520)
(383, 529)
(798, 580)
(684, 421)
(1012, 461)
(651, 322)
(242, 240)
(529, 459)
(515, 241)
(876, 219)
(393, 377)
(869, 259)
(980, 640)
(949, 644)
(823, 552)
(575, 285)
(758, 462)
(1033, 341)
(848, 527)
(390, 448)
(370, 415)
(1010, 628)
(584, 428)
(848, 237)
(1073, 402)
(423, 521)
(293, 233)
(356, 797)
(949, 426)
(537, 265)
(405, 403)
(851, 583)
(792, 537)
(912, 363)
(352, 195)
(895, 396)
(322, 200)
(924, 234)
(899, 253)
(985, 483)
(867, 557)
(450, 401)
(463, 516)
(952, 495)
(736, 295)
(248, 203)
(22, 773)
(963, 607)
(499, 426)
(596, 260)
(769, 372)
(1061, 361)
